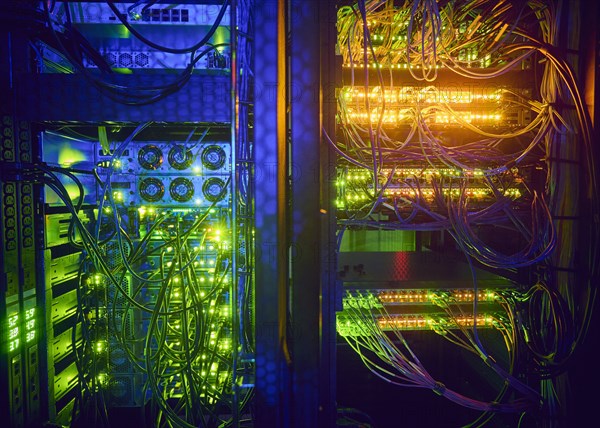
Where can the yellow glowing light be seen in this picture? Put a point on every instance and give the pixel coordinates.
(67, 155)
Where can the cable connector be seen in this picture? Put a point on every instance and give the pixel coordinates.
(20, 171)
(439, 388)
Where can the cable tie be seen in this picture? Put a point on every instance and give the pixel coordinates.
(439, 388)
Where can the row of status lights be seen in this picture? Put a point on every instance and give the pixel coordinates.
(421, 322)
(376, 299)
(411, 94)
(410, 322)
(428, 296)
(471, 192)
(438, 118)
(365, 176)
(471, 60)
(354, 197)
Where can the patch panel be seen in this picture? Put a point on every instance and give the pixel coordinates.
(458, 43)
(426, 296)
(157, 14)
(494, 116)
(407, 296)
(408, 185)
(440, 323)
(405, 96)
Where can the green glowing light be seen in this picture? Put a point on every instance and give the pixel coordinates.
(13, 345)
(102, 379)
(13, 333)
(13, 320)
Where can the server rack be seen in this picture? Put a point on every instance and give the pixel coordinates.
(296, 283)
